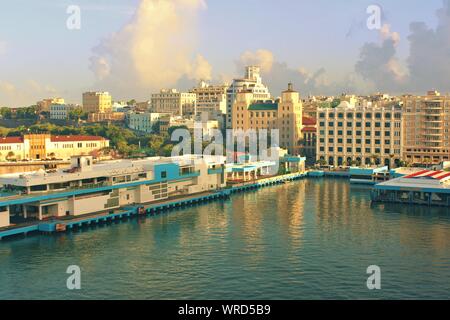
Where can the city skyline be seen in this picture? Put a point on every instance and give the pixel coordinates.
(120, 48)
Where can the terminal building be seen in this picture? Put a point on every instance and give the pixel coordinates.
(87, 188)
(425, 187)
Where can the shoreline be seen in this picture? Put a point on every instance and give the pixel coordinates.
(55, 226)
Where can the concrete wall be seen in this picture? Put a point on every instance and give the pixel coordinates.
(4, 219)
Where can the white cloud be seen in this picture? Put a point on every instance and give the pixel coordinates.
(262, 58)
(155, 50)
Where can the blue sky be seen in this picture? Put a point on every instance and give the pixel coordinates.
(40, 57)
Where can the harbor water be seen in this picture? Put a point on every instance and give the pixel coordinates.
(309, 239)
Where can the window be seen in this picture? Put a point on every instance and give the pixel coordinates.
(163, 174)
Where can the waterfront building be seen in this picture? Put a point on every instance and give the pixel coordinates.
(284, 114)
(424, 187)
(252, 82)
(144, 121)
(87, 188)
(106, 117)
(44, 105)
(60, 111)
(97, 102)
(46, 146)
(309, 136)
(426, 129)
(348, 135)
(174, 102)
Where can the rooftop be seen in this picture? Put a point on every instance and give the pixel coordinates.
(263, 106)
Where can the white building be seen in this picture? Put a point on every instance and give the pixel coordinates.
(144, 121)
(251, 82)
(60, 111)
(174, 102)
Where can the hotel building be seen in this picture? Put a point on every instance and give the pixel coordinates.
(46, 146)
(426, 129)
(97, 102)
(87, 188)
(349, 135)
(174, 102)
(251, 82)
(284, 114)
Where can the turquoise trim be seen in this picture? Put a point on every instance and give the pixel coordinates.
(29, 199)
(215, 171)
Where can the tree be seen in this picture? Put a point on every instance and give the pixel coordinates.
(5, 113)
(77, 114)
(10, 156)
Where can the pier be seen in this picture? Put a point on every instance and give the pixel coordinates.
(145, 210)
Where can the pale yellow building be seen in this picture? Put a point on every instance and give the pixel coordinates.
(426, 130)
(284, 114)
(97, 102)
(174, 102)
(46, 146)
(348, 135)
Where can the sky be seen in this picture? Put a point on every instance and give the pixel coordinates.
(136, 47)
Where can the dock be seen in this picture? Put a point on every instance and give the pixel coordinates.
(145, 210)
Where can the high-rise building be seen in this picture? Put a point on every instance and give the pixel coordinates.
(284, 114)
(426, 129)
(251, 82)
(174, 102)
(359, 135)
(97, 102)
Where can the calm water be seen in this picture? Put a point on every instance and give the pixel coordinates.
(304, 240)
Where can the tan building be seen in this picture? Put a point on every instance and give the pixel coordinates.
(106, 116)
(45, 146)
(211, 99)
(174, 102)
(44, 105)
(348, 135)
(426, 129)
(284, 114)
(97, 102)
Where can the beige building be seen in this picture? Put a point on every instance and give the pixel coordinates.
(284, 114)
(211, 99)
(174, 102)
(252, 82)
(97, 102)
(348, 135)
(45, 146)
(426, 129)
(106, 116)
(44, 105)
